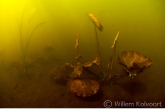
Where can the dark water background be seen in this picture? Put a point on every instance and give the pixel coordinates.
(141, 24)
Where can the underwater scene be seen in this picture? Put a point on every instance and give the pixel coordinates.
(82, 53)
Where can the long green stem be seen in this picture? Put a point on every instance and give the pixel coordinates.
(98, 47)
(31, 37)
(111, 62)
(25, 46)
(21, 28)
(108, 74)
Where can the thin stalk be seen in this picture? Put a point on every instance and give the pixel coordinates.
(77, 44)
(98, 47)
(111, 60)
(21, 27)
(31, 36)
(77, 48)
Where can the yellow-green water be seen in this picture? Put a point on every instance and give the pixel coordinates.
(141, 24)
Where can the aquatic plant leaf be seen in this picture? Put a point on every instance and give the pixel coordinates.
(96, 22)
(61, 72)
(77, 40)
(87, 64)
(134, 61)
(115, 41)
(96, 61)
(77, 71)
(108, 73)
(79, 67)
(83, 87)
(78, 57)
(68, 65)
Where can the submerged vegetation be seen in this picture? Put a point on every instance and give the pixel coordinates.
(83, 79)
(82, 76)
(26, 61)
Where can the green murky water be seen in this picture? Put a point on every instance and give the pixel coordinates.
(42, 33)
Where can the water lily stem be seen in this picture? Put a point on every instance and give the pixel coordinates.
(98, 48)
